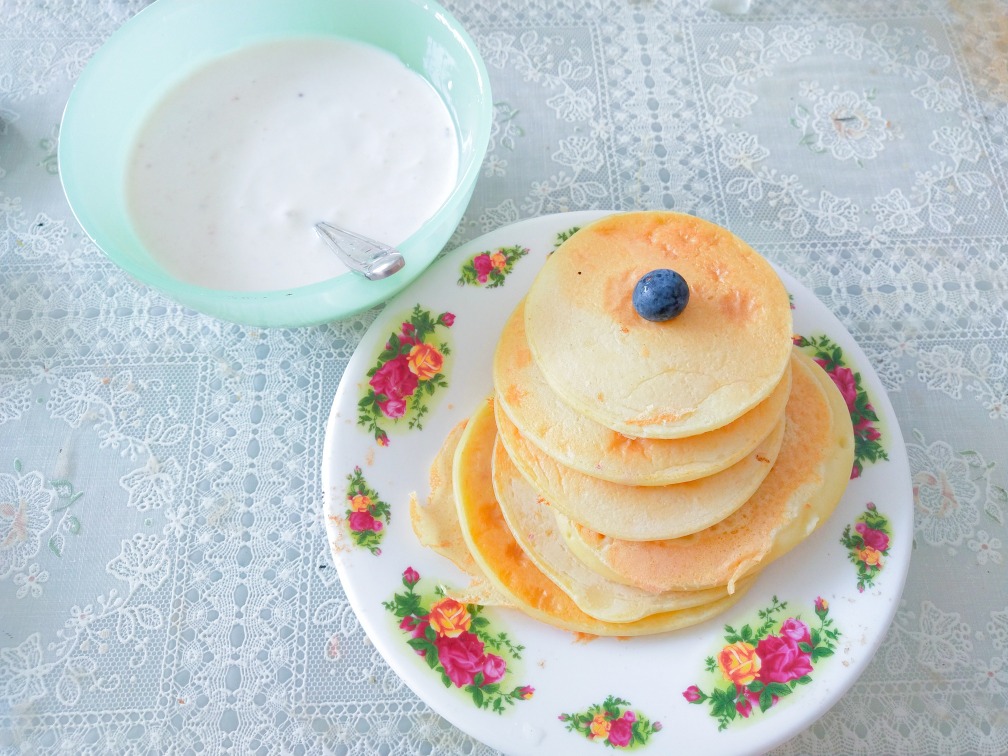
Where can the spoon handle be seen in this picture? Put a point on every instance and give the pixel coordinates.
(362, 255)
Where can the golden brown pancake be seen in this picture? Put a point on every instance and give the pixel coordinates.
(435, 522)
(802, 489)
(509, 568)
(535, 529)
(717, 360)
(641, 512)
(578, 442)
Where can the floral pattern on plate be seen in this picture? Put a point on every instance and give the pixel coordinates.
(758, 666)
(868, 446)
(366, 514)
(491, 269)
(456, 641)
(612, 723)
(868, 545)
(407, 374)
(563, 236)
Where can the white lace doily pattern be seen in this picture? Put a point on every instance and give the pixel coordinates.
(164, 575)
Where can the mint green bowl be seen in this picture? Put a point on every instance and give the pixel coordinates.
(168, 40)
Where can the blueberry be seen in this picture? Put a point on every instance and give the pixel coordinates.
(660, 295)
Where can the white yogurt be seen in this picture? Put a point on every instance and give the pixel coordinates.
(233, 168)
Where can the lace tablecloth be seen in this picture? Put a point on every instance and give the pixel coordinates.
(165, 581)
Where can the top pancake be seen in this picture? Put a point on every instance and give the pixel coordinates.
(584, 445)
(723, 355)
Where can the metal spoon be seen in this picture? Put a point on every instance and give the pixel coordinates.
(362, 255)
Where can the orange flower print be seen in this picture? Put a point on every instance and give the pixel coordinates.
(739, 663)
(600, 726)
(360, 503)
(449, 618)
(871, 557)
(425, 361)
(498, 260)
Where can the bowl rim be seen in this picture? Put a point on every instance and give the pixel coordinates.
(273, 307)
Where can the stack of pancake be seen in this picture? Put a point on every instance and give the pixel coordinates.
(630, 476)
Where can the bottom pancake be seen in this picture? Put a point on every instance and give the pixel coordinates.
(802, 489)
(510, 570)
(435, 524)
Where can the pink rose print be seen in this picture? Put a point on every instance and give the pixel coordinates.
(362, 521)
(844, 380)
(782, 660)
(411, 576)
(621, 732)
(865, 428)
(462, 657)
(494, 668)
(396, 382)
(871, 537)
(796, 630)
(483, 266)
(868, 446)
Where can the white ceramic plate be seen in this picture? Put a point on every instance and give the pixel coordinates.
(812, 651)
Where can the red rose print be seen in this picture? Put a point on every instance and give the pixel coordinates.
(411, 576)
(447, 319)
(782, 660)
(692, 694)
(844, 380)
(462, 657)
(395, 382)
(865, 428)
(483, 265)
(620, 732)
(361, 521)
(876, 539)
